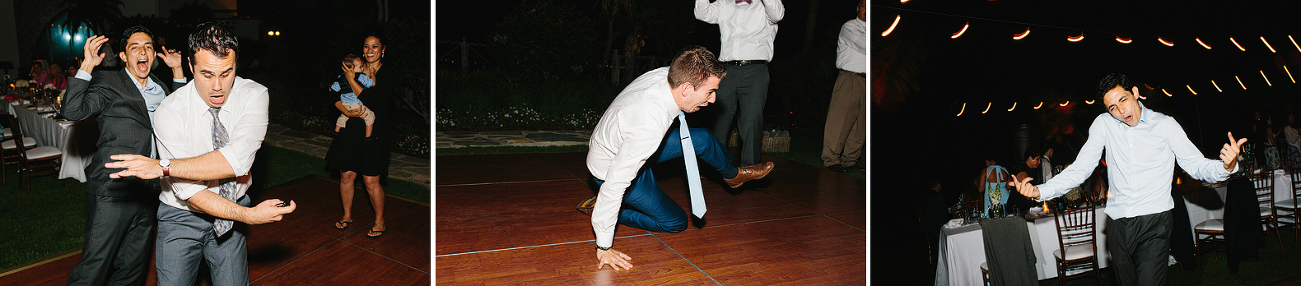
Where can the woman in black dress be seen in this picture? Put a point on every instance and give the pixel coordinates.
(351, 152)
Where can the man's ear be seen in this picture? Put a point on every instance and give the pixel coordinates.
(1135, 89)
(122, 55)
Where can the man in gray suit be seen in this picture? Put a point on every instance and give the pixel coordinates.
(120, 212)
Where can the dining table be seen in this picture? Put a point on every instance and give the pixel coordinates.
(1203, 208)
(76, 139)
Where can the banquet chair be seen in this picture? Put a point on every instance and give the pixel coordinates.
(1264, 186)
(1289, 208)
(9, 148)
(1076, 236)
(39, 161)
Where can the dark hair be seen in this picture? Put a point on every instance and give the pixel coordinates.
(349, 59)
(378, 34)
(1111, 81)
(214, 38)
(695, 65)
(126, 36)
(1032, 151)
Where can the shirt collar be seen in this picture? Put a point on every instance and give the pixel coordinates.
(662, 87)
(137, 83)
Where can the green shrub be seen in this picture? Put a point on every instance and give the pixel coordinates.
(495, 100)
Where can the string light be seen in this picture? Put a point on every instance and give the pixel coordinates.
(1298, 48)
(903, 1)
(1022, 34)
(987, 107)
(1190, 89)
(1289, 74)
(1124, 40)
(959, 33)
(1244, 87)
(1167, 93)
(1164, 42)
(1013, 107)
(891, 29)
(1271, 48)
(1262, 74)
(1076, 38)
(1217, 86)
(1090, 102)
(1142, 97)
(964, 108)
(1064, 104)
(1235, 43)
(1041, 104)
(1204, 45)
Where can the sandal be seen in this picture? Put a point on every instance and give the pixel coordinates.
(342, 224)
(375, 233)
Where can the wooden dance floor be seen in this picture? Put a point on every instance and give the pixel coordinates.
(510, 219)
(306, 249)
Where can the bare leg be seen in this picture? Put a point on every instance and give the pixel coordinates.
(346, 179)
(336, 128)
(377, 201)
(368, 129)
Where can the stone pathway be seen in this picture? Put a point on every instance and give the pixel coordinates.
(401, 167)
(459, 139)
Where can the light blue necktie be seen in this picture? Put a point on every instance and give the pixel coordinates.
(219, 139)
(693, 171)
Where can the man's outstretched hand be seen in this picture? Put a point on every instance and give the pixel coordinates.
(1229, 154)
(1025, 187)
(614, 258)
(135, 165)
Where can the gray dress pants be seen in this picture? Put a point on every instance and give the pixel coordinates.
(185, 239)
(742, 95)
(1140, 248)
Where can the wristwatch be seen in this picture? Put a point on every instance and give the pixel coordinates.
(607, 248)
(165, 163)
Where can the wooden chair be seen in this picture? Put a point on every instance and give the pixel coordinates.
(1290, 211)
(9, 148)
(1264, 185)
(39, 161)
(1076, 234)
(984, 273)
(1210, 234)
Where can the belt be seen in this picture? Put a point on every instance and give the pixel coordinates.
(742, 63)
(859, 74)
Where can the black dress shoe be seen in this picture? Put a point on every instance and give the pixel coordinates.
(836, 168)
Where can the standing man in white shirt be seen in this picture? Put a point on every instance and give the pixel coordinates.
(635, 129)
(1142, 147)
(846, 130)
(747, 29)
(209, 132)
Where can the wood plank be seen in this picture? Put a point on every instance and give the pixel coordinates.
(811, 250)
(569, 264)
(474, 169)
(496, 216)
(339, 263)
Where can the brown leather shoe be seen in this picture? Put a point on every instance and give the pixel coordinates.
(587, 205)
(748, 173)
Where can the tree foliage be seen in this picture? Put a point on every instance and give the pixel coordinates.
(547, 37)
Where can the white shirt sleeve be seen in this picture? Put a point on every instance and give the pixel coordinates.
(706, 11)
(774, 9)
(248, 128)
(1192, 160)
(640, 140)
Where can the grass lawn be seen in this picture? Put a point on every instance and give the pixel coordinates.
(52, 219)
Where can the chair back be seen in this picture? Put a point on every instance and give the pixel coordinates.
(17, 129)
(1263, 184)
(1076, 227)
(1296, 184)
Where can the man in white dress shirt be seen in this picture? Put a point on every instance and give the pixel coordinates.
(203, 185)
(846, 129)
(633, 130)
(1142, 147)
(747, 29)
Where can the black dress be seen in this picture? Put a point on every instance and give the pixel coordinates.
(351, 151)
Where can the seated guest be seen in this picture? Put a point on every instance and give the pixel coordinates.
(993, 184)
(1029, 167)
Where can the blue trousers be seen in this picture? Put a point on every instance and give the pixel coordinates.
(645, 206)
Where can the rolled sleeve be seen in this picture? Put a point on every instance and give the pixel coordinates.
(170, 128)
(638, 143)
(247, 133)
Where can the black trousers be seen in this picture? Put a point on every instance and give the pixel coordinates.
(1140, 248)
(116, 250)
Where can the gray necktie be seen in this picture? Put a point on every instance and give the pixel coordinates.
(219, 139)
(693, 171)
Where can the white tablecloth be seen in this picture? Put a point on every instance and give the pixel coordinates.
(1200, 213)
(48, 132)
(962, 250)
